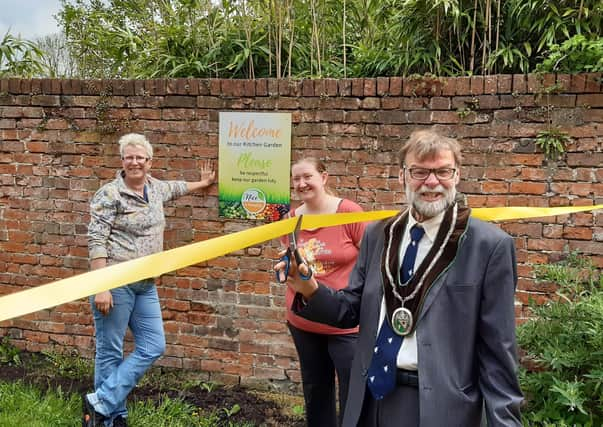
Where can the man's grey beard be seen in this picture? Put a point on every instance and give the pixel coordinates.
(430, 209)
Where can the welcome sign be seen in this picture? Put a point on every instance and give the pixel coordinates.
(253, 164)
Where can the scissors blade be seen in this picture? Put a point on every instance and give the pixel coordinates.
(293, 236)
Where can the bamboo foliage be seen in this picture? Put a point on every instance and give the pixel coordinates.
(19, 57)
(326, 38)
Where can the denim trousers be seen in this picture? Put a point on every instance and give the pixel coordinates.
(135, 306)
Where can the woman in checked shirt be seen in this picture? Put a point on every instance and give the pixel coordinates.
(127, 222)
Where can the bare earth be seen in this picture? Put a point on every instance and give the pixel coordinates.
(262, 409)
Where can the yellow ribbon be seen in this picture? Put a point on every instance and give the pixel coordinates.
(93, 282)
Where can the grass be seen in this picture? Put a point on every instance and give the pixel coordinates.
(25, 405)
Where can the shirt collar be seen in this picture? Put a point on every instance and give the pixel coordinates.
(121, 183)
(431, 226)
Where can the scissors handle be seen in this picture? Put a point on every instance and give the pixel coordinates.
(281, 275)
(300, 260)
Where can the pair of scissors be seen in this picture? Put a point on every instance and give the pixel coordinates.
(293, 251)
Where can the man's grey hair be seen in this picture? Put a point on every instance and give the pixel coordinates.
(426, 143)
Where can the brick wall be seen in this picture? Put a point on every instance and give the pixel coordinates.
(225, 317)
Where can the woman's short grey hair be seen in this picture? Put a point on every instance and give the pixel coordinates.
(135, 140)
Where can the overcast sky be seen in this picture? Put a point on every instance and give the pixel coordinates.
(30, 18)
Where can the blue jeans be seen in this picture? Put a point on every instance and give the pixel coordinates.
(135, 306)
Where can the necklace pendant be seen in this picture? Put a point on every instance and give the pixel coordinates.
(402, 321)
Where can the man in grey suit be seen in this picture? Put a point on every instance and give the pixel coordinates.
(433, 293)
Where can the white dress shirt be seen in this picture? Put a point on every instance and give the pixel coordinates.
(407, 356)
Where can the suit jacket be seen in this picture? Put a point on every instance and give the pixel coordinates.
(466, 348)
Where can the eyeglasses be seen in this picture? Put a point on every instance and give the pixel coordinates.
(421, 174)
(137, 159)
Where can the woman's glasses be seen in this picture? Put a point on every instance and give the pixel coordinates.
(137, 159)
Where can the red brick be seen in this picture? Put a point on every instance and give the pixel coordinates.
(344, 87)
(370, 87)
(505, 83)
(371, 103)
(308, 87)
(391, 103)
(528, 188)
(594, 100)
(382, 86)
(14, 86)
(249, 87)
(448, 86)
(491, 85)
(477, 85)
(444, 117)
(395, 86)
(357, 87)
(463, 86)
(488, 102)
(214, 86)
(439, 103)
(25, 86)
(585, 247)
(585, 159)
(527, 298)
(519, 83)
(579, 233)
(546, 245)
(578, 83)
(493, 187)
(518, 229)
(548, 80)
(552, 231)
(593, 82)
(534, 83)
(203, 86)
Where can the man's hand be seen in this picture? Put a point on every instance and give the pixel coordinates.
(103, 302)
(305, 287)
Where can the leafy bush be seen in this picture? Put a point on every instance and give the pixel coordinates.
(321, 38)
(563, 345)
(575, 55)
(9, 354)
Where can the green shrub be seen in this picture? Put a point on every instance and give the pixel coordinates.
(9, 354)
(575, 55)
(563, 346)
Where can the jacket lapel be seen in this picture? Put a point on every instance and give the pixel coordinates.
(440, 280)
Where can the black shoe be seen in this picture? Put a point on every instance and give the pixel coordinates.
(91, 418)
(120, 422)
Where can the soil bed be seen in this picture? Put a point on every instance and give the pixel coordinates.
(258, 408)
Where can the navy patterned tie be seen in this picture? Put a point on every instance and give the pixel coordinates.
(382, 372)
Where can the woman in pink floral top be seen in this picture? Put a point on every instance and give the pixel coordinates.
(127, 222)
(331, 252)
